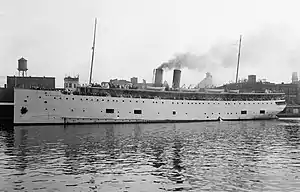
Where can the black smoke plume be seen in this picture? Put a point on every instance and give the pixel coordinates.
(223, 54)
(271, 45)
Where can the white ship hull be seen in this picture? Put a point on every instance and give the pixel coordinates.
(53, 107)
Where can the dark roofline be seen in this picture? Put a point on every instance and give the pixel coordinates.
(44, 77)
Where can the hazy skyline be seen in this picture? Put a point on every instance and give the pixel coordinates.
(136, 36)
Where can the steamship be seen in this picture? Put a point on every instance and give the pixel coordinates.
(96, 104)
(88, 104)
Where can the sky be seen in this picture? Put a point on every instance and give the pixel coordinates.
(135, 36)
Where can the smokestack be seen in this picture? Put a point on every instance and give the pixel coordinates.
(158, 78)
(176, 78)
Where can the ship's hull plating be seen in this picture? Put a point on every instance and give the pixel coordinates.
(53, 107)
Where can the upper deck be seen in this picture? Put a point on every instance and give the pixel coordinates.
(178, 95)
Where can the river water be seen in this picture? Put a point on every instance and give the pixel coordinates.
(208, 156)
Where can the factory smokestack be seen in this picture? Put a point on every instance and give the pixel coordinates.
(176, 78)
(158, 78)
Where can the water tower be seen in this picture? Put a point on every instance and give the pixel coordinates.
(22, 66)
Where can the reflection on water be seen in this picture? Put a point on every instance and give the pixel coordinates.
(211, 156)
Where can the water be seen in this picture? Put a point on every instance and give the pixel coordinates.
(213, 156)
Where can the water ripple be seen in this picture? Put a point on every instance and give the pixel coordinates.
(213, 156)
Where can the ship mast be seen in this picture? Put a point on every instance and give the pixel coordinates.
(93, 52)
(238, 61)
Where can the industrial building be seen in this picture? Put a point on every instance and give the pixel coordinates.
(30, 82)
(207, 82)
(291, 90)
(23, 81)
(134, 80)
(71, 83)
(295, 78)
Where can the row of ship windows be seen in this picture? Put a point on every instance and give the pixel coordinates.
(154, 101)
(139, 112)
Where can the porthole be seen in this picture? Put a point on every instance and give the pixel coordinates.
(97, 99)
(40, 97)
(54, 97)
(73, 99)
(45, 101)
(25, 100)
(67, 98)
(86, 99)
(81, 99)
(137, 101)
